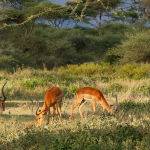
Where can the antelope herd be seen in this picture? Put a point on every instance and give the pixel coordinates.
(53, 98)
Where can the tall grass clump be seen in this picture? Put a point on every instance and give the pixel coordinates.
(26, 82)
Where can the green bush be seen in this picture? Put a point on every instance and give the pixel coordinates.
(115, 28)
(8, 62)
(35, 47)
(135, 49)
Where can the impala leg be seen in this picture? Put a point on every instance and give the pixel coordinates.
(48, 116)
(80, 107)
(40, 120)
(54, 110)
(94, 106)
(58, 109)
(60, 104)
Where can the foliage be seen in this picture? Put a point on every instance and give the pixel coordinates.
(34, 44)
(135, 49)
(16, 13)
(30, 45)
(146, 4)
(130, 15)
(87, 9)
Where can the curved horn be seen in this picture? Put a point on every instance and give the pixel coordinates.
(38, 109)
(4, 97)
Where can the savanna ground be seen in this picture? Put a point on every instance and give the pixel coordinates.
(127, 129)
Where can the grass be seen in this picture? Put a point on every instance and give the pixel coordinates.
(128, 129)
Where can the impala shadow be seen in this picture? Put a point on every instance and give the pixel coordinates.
(14, 104)
(31, 117)
(126, 107)
(18, 117)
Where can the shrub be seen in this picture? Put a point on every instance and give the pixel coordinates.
(52, 47)
(135, 49)
(8, 62)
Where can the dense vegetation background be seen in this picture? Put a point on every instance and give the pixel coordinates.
(34, 33)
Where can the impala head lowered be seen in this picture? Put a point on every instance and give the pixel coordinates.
(52, 98)
(2, 99)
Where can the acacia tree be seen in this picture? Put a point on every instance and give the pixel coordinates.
(132, 11)
(127, 12)
(91, 9)
(19, 12)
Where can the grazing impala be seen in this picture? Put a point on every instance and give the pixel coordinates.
(2, 99)
(93, 95)
(53, 98)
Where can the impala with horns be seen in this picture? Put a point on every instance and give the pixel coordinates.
(53, 98)
(94, 96)
(2, 99)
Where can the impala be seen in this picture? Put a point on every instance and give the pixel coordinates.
(2, 99)
(52, 98)
(94, 96)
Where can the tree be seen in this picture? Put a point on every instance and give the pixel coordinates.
(17, 12)
(92, 9)
(128, 11)
(146, 4)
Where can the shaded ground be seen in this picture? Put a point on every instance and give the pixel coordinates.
(128, 129)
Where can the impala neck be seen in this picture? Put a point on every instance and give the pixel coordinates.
(105, 105)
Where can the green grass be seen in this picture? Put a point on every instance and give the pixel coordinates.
(128, 129)
(30, 84)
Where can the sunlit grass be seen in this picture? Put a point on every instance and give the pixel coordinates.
(127, 129)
